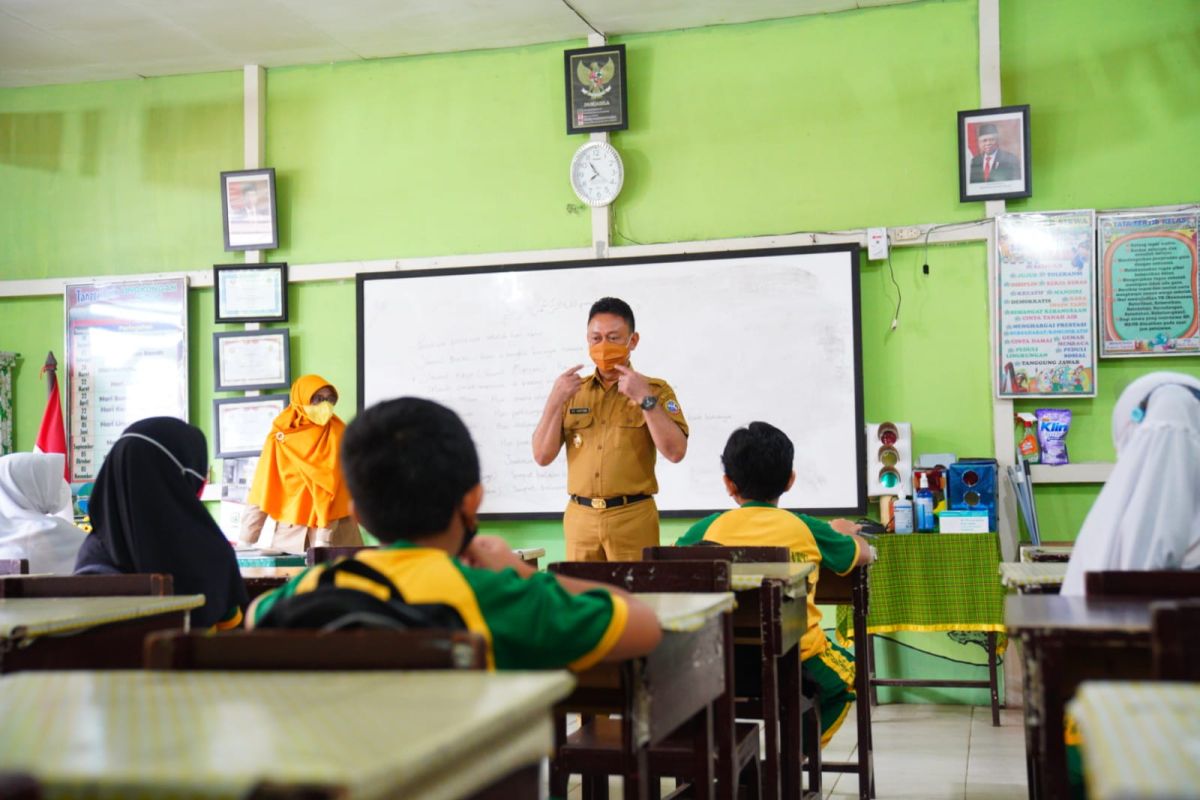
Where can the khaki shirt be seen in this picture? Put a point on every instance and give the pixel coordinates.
(609, 448)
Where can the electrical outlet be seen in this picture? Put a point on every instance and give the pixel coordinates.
(905, 234)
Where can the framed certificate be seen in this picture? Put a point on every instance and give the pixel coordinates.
(244, 360)
(250, 292)
(241, 424)
(595, 84)
(248, 209)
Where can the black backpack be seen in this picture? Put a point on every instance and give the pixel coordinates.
(329, 607)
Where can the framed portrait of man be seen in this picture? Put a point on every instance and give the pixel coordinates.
(248, 209)
(993, 154)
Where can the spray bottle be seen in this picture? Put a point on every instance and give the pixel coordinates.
(1027, 443)
(923, 506)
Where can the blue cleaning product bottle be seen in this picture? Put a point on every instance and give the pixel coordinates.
(902, 515)
(923, 506)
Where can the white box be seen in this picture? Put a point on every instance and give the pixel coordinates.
(963, 522)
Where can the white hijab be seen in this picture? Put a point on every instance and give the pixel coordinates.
(35, 509)
(1148, 513)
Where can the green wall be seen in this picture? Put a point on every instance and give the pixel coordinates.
(1115, 97)
(817, 123)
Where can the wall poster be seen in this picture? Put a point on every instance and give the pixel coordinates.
(126, 360)
(1045, 313)
(1149, 284)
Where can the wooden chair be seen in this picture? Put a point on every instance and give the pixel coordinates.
(313, 650)
(19, 786)
(706, 551)
(602, 746)
(322, 555)
(14, 566)
(852, 589)
(1157, 584)
(146, 584)
(779, 675)
(1175, 640)
(260, 586)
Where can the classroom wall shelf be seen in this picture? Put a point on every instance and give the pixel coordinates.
(1084, 472)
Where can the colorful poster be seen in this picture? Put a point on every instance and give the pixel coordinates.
(126, 360)
(1149, 284)
(1045, 296)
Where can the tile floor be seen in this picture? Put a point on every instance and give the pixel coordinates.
(926, 752)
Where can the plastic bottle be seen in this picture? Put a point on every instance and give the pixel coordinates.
(923, 506)
(902, 515)
(1027, 443)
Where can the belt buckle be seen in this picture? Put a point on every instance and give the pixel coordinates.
(599, 503)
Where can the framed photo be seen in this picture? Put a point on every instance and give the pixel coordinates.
(250, 292)
(248, 209)
(244, 360)
(242, 423)
(595, 84)
(993, 154)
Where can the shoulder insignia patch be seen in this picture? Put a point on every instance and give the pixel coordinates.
(582, 410)
(672, 407)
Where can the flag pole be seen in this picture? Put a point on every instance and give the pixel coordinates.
(50, 366)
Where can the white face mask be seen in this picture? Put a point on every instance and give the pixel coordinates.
(182, 469)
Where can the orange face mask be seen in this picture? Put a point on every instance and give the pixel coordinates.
(608, 354)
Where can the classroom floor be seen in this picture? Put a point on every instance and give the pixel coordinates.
(927, 752)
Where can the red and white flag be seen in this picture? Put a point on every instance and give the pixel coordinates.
(52, 437)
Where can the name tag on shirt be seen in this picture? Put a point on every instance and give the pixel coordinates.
(581, 410)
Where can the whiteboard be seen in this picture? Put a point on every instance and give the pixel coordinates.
(768, 335)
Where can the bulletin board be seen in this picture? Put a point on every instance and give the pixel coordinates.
(1046, 305)
(768, 335)
(127, 359)
(1149, 284)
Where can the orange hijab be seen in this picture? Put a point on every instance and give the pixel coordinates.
(299, 479)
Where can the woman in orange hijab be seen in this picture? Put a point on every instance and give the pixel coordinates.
(298, 483)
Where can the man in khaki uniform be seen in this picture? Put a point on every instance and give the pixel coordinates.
(614, 423)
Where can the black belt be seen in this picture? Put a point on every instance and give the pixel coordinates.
(610, 502)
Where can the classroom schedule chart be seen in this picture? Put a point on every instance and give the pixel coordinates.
(127, 360)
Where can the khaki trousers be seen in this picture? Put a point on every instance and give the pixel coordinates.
(610, 534)
(292, 538)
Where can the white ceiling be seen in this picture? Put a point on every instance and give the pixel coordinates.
(71, 41)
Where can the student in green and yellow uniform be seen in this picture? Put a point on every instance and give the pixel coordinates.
(758, 469)
(413, 475)
(614, 424)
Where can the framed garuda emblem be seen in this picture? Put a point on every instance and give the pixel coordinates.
(595, 81)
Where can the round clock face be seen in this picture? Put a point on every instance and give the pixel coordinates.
(597, 173)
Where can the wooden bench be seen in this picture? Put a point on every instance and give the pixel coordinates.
(313, 650)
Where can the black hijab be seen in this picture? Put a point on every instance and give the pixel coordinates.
(147, 517)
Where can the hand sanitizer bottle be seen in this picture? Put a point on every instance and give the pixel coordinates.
(923, 506)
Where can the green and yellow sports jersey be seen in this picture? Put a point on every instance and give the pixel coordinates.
(528, 623)
(809, 539)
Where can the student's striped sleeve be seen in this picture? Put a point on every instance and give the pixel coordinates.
(838, 551)
(695, 534)
(537, 624)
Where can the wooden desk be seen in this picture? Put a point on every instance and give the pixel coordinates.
(1139, 739)
(772, 615)
(1032, 554)
(1065, 641)
(530, 555)
(255, 558)
(1044, 577)
(217, 734)
(658, 693)
(85, 632)
(287, 573)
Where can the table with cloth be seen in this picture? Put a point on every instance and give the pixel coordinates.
(937, 582)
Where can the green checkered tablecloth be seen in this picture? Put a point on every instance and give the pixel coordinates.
(934, 582)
